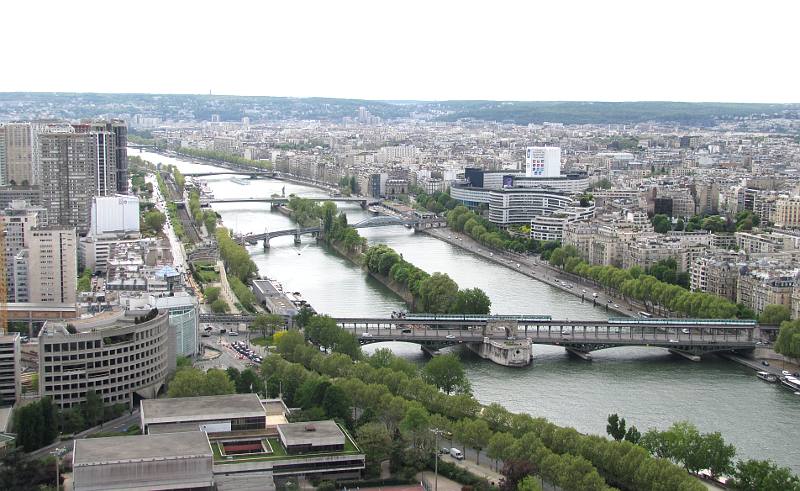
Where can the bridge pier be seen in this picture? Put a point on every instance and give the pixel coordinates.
(266, 243)
(583, 355)
(505, 352)
(684, 354)
(297, 239)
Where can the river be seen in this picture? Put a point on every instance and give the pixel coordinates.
(647, 386)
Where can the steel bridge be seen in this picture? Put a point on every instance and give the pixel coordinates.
(687, 337)
(281, 200)
(372, 222)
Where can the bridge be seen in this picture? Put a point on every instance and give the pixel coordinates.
(255, 173)
(378, 221)
(281, 200)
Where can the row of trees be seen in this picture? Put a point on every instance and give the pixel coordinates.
(461, 219)
(397, 408)
(436, 294)
(225, 157)
(152, 222)
(323, 331)
(788, 342)
(744, 220)
(634, 283)
(334, 223)
(200, 216)
(236, 258)
(246, 297)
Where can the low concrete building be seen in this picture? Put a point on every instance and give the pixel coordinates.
(143, 463)
(312, 436)
(212, 414)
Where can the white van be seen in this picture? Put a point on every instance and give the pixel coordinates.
(456, 454)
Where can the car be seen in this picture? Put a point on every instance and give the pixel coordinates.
(685, 331)
(673, 340)
(616, 306)
(233, 333)
(786, 373)
(444, 450)
(450, 336)
(205, 335)
(765, 363)
(366, 334)
(209, 328)
(565, 332)
(406, 331)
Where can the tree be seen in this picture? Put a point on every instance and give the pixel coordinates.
(376, 443)
(219, 306)
(336, 403)
(499, 446)
(446, 373)
(210, 221)
(154, 220)
(477, 435)
(212, 293)
(289, 341)
(788, 342)
(758, 475)
(85, 280)
(471, 301)
(616, 427)
(93, 407)
(633, 435)
(661, 223)
(529, 483)
(774, 315)
(191, 382)
(248, 381)
(416, 425)
(267, 323)
(437, 293)
(717, 456)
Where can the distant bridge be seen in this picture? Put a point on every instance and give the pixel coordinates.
(280, 200)
(251, 173)
(690, 338)
(378, 221)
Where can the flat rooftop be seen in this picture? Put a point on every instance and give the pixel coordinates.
(123, 449)
(324, 433)
(203, 408)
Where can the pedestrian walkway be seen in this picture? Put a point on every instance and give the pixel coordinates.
(438, 484)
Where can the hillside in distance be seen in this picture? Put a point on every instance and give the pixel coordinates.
(188, 107)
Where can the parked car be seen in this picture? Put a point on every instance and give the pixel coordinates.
(456, 454)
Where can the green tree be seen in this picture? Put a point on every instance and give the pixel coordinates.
(289, 341)
(267, 323)
(219, 306)
(85, 281)
(471, 301)
(446, 373)
(500, 446)
(93, 408)
(717, 456)
(661, 223)
(416, 426)
(248, 381)
(212, 293)
(762, 475)
(154, 221)
(477, 435)
(376, 443)
(633, 435)
(774, 315)
(529, 483)
(336, 403)
(788, 342)
(437, 293)
(616, 427)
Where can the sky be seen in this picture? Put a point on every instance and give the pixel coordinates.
(700, 50)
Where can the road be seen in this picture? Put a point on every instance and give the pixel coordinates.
(120, 424)
(228, 356)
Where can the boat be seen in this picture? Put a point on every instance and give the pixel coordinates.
(768, 377)
(791, 382)
(239, 180)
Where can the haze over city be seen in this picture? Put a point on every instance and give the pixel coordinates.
(413, 50)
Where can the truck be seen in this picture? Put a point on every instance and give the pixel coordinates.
(456, 454)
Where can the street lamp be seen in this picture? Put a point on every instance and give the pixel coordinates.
(58, 452)
(437, 432)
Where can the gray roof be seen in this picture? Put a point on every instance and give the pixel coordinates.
(324, 433)
(115, 449)
(204, 408)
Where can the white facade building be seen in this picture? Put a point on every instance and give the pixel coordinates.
(115, 214)
(543, 161)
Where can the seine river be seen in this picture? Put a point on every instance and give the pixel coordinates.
(647, 386)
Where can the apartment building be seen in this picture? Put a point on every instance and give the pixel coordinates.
(9, 368)
(53, 265)
(16, 159)
(715, 275)
(18, 220)
(787, 212)
(758, 288)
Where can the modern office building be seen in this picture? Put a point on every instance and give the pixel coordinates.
(183, 315)
(9, 368)
(18, 220)
(114, 215)
(122, 355)
(551, 227)
(543, 161)
(234, 412)
(29, 194)
(52, 265)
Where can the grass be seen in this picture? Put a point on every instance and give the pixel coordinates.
(262, 341)
(279, 453)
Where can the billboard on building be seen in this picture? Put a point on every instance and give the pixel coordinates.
(508, 181)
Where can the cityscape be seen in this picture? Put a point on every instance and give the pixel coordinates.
(491, 290)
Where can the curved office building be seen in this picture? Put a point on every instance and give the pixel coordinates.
(120, 355)
(513, 206)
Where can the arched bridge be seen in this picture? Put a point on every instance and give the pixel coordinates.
(378, 221)
(690, 338)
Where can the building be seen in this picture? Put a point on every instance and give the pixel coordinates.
(52, 265)
(520, 206)
(18, 220)
(122, 355)
(143, 462)
(76, 163)
(29, 194)
(16, 159)
(543, 161)
(114, 215)
(761, 287)
(118, 131)
(787, 212)
(234, 412)
(715, 275)
(311, 437)
(183, 315)
(9, 369)
(551, 227)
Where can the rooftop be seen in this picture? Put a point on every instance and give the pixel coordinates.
(96, 451)
(314, 433)
(202, 408)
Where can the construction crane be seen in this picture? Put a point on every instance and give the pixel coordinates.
(4, 281)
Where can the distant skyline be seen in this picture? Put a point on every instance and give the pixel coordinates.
(566, 51)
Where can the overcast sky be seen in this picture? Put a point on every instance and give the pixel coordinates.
(700, 50)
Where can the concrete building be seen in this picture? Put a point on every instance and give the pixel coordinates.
(143, 462)
(53, 265)
(183, 315)
(122, 355)
(758, 288)
(75, 164)
(118, 130)
(18, 220)
(30, 194)
(9, 369)
(16, 159)
(551, 227)
(234, 412)
(715, 275)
